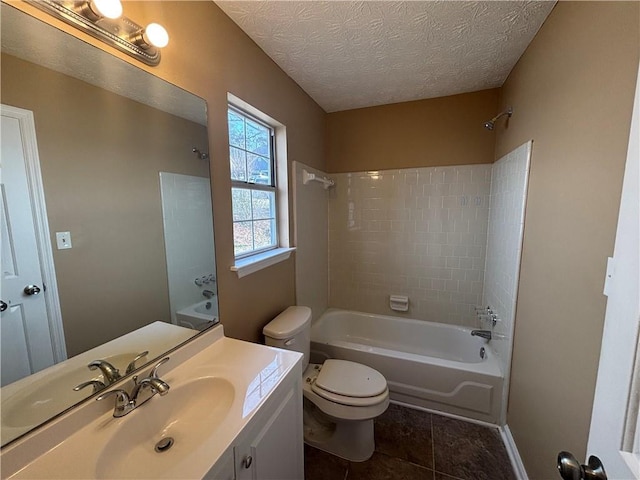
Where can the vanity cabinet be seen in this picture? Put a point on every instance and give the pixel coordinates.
(274, 450)
(235, 407)
(271, 447)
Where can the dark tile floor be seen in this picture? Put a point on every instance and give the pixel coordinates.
(416, 445)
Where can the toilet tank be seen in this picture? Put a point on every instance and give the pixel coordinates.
(291, 330)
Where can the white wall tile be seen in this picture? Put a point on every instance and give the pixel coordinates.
(426, 241)
(504, 245)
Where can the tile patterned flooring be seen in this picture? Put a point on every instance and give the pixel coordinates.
(416, 445)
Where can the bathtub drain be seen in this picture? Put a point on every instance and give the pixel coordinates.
(483, 353)
(164, 444)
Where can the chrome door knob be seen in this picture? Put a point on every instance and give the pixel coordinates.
(570, 469)
(32, 290)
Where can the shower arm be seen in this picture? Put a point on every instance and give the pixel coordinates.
(489, 125)
(508, 112)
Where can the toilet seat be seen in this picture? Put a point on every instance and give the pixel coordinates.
(350, 401)
(338, 406)
(350, 379)
(348, 383)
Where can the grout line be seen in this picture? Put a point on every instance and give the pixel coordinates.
(433, 446)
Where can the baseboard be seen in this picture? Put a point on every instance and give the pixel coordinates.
(514, 455)
(444, 414)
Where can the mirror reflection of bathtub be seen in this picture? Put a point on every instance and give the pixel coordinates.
(198, 316)
(106, 133)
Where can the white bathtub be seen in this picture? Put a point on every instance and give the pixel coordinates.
(431, 365)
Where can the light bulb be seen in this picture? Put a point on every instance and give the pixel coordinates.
(156, 35)
(106, 8)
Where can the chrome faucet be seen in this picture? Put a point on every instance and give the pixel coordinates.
(110, 373)
(132, 365)
(208, 293)
(156, 385)
(152, 384)
(96, 384)
(486, 334)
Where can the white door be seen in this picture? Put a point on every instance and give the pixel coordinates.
(614, 435)
(30, 339)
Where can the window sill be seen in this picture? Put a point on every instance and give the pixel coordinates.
(248, 265)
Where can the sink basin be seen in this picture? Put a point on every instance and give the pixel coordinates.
(187, 415)
(42, 400)
(199, 315)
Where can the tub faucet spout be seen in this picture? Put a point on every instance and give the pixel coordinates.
(486, 334)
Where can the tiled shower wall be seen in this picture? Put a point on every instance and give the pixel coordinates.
(506, 224)
(188, 237)
(416, 232)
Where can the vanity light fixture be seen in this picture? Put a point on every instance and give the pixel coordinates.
(154, 35)
(97, 9)
(103, 20)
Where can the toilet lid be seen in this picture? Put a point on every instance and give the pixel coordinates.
(350, 379)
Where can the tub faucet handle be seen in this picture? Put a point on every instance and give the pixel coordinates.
(483, 310)
(490, 317)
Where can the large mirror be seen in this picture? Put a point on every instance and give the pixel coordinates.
(107, 233)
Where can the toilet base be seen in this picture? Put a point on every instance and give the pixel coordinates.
(352, 440)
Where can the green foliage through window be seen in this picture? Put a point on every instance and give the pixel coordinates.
(253, 190)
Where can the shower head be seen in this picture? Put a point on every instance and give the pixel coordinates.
(199, 154)
(491, 123)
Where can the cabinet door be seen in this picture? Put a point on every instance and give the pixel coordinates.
(223, 469)
(276, 451)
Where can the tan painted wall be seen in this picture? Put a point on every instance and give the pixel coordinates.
(424, 133)
(572, 93)
(209, 56)
(100, 175)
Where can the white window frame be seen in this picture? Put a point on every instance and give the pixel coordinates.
(246, 264)
(252, 186)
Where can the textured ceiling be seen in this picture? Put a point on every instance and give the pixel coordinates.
(348, 54)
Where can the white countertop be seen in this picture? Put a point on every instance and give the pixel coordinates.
(41, 396)
(73, 449)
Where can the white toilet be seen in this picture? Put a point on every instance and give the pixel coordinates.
(341, 398)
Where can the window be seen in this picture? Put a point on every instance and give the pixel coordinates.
(253, 184)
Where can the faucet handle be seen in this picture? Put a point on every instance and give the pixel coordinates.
(154, 372)
(97, 386)
(132, 365)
